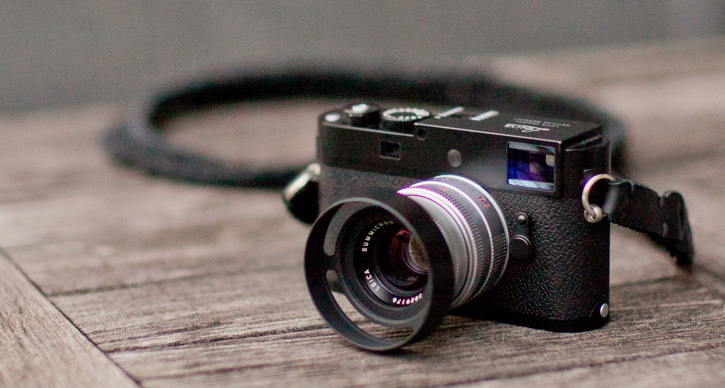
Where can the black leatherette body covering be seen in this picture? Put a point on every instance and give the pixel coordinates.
(566, 278)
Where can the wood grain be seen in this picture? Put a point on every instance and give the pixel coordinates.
(676, 370)
(227, 333)
(40, 347)
(183, 285)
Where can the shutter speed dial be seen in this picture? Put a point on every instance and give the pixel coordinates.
(403, 119)
(362, 114)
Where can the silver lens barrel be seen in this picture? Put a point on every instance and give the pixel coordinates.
(473, 227)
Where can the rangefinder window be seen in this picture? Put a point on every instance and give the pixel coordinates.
(531, 166)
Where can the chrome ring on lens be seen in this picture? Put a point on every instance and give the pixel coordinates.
(473, 227)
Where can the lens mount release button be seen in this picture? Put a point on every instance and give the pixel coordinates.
(520, 248)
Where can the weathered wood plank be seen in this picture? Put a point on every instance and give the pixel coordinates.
(107, 227)
(201, 232)
(140, 236)
(693, 369)
(40, 347)
(579, 69)
(261, 327)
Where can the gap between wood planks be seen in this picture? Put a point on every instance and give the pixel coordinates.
(40, 346)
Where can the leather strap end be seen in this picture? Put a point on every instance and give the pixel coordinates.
(663, 218)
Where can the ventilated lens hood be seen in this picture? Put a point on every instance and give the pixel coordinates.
(324, 254)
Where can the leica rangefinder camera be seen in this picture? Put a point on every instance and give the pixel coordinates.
(472, 213)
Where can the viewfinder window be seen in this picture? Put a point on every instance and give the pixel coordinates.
(390, 150)
(531, 166)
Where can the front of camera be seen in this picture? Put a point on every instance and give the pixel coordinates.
(408, 236)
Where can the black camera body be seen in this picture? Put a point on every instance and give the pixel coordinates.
(556, 273)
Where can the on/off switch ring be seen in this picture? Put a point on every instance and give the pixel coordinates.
(402, 119)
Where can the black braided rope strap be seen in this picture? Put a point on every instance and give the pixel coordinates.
(140, 141)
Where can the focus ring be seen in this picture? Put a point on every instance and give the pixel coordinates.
(494, 220)
(431, 201)
(477, 260)
(464, 209)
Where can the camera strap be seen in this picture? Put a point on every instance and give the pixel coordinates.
(663, 218)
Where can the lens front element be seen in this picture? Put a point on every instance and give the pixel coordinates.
(389, 261)
(399, 262)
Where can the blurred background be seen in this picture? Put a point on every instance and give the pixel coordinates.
(74, 52)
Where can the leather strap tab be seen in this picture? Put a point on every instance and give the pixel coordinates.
(663, 218)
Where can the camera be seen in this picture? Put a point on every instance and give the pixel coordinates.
(471, 213)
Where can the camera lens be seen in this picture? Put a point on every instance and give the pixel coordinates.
(401, 261)
(378, 270)
(473, 227)
(388, 262)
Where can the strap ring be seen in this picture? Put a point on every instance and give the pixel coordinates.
(593, 213)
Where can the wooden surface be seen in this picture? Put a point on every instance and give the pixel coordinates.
(38, 344)
(119, 278)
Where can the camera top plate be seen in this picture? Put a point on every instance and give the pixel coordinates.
(557, 131)
(511, 152)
